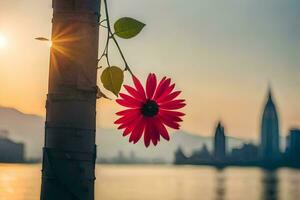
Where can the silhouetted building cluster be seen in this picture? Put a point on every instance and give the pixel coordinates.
(10, 151)
(267, 154)
(246, 154)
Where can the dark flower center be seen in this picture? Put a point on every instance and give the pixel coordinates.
(150, 108)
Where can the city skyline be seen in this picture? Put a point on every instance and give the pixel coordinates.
(266, 153)
(222, 139)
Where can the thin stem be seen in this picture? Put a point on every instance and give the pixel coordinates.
(102, 55)
(107, 60)
(102, 21)
(105, 51)
(103, 26)
(123, 57)
(110, 35)
(107, 14)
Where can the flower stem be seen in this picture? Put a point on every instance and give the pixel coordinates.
(110, 35)
(127, 68)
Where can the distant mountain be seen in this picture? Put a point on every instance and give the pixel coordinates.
(24, 128)
(30, 130)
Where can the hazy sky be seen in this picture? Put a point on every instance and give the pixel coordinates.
(221, 54)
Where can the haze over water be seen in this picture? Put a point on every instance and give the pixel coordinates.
(22, 182)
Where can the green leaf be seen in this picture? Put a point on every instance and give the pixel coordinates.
(127, 28)
(112, 79)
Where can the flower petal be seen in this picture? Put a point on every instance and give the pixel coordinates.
(172, 117)
(134, 93)
(167, 92)
(159, 85)
(137, 131)
(129, 129)
(173, 105)
(169, 97)
(128, 111)
(139, 87)
(151, 85)
(128, 117)
(128, 104)
(162, 130)
(170, 123)
(173, 113)
(153, 132)
(131, 126)
(161, 88)
(130, 99)
(127, 123)
(147, 136)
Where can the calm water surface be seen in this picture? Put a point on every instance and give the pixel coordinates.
(22, 182)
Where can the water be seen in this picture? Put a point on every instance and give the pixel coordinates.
(22, 182)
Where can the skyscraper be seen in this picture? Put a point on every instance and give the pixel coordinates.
(293, 146)
(269, 147)
(220, 143)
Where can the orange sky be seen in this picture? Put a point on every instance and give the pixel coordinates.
(222, 56)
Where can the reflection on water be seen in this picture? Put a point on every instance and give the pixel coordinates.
(19, 182)
(220, 185)
(270, 183)
(294, 189)
(22, 182)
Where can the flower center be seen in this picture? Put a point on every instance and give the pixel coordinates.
(150, 108)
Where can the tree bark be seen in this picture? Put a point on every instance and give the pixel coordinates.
(69, 153)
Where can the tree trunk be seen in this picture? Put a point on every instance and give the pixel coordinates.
(69, 153)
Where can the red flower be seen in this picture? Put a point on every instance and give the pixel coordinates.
(149, 111)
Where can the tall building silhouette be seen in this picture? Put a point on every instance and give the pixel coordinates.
(293, 146)
(269, 146)
(220, 143)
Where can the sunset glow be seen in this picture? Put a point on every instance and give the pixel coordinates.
(50, 43)
(131, 99)
(3, 41)
(222, 62)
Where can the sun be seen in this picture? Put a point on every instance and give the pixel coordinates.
(50, 43)
(3, 41)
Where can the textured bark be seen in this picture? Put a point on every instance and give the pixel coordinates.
(69, 153)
